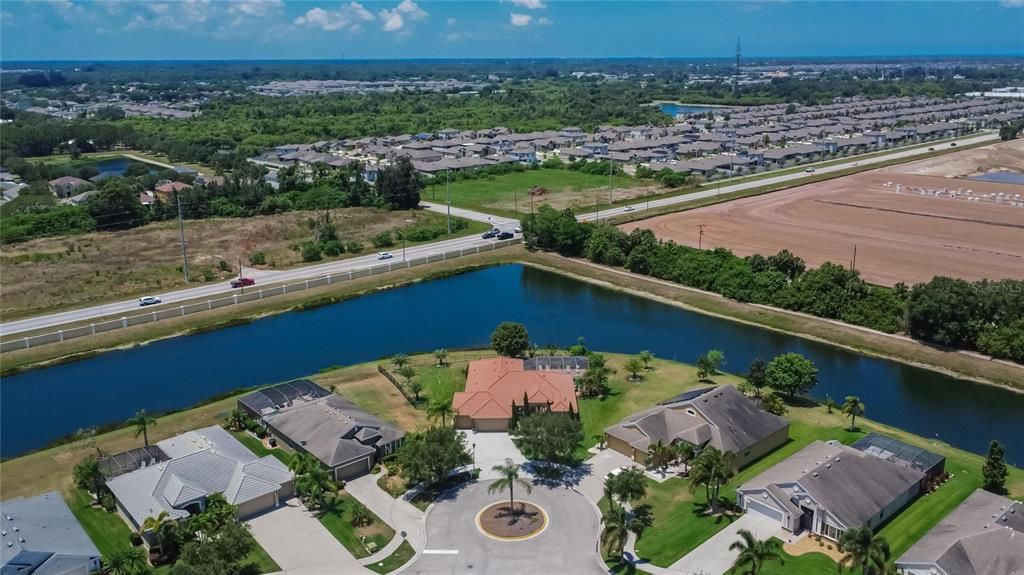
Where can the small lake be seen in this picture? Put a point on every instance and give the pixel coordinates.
(117, 166)
(40, 406)
(1000, 178)
(674, 109)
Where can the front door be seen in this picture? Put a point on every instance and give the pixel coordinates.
(806, 520)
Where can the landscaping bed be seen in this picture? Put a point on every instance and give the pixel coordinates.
(521, 521)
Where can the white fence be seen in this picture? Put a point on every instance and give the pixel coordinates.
(237, 298)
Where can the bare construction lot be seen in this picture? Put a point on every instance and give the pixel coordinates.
(900, 236)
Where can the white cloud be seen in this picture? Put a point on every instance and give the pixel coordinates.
(69, 11)
(255, 8)
(182, 15)
(394, 20)
(452, 21)
(348, 17)
(529, 4)
(520, 19)
(1012, 3)
(545, 21)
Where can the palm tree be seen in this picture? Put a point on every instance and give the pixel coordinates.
(126, 561)
(616, 530)
(302, 463)
(440, 409)
(236, 419)
(753, 553)
(508, 480)
(442, 357)
(399, 360)
(853, 407)
(408, 372)
(830, 403)
(712, 469)
(661, 455)
(142, 422)
(634, 366)
(628, 486)
(646, 357)
(154, 523)
(864, 550)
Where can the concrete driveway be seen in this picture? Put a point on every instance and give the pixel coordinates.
(455, 546)
(491, 448)
(713, 556)
(300, 544)
(593, 484)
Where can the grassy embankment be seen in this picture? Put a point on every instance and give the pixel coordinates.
(101, 267)
(678, 527)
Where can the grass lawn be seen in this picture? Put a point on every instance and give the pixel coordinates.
(508, 195)
(618, 568)
(256, 446)
(340, 525)
(808, 563)
(262, 561)
(400, 557)
(107, 530)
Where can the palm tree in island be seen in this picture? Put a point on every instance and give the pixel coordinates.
(142, 422)
(853, 407)
(754, 553)
(440, 410)
(508, 480)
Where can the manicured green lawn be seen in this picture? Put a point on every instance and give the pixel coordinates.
(400, 557)
(256, 446)
(340, 525)
(617, 568)
(262, 561)
(509, 194)
(807, 564)
(107, 530)
(440, 383)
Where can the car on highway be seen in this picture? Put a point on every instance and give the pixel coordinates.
(952, 145)
(931, 149)
(518, 230)
(809, 170)
(148, 300)
(384, 256)
(628, 209)
(242, 282)
(505, 236)
(489, 234)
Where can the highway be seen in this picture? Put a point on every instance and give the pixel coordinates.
(726, 188)
(269, 277)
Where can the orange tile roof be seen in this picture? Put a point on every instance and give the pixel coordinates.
(492, 385)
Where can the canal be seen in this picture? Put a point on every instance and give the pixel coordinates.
(40, 406)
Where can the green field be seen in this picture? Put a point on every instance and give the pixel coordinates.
(508, 195)
(400, 557)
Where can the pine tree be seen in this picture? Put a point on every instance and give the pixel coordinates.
(994, 471)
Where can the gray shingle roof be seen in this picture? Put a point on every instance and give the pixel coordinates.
(985, 534)
(41, 536)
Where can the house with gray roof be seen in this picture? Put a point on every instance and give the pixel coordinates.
(827, 488)
(346, 439)
(984, 535)
(200, 463)
(721, 417)
(40, 536)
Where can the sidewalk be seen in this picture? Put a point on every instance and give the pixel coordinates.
(408, 522)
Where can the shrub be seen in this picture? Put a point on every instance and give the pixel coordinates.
(223, 266)
(333, 248)
(258, 259)
(135, 538)
(383, 240)
(310, 252)
(353, 247)
(107, 502)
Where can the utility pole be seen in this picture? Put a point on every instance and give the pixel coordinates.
(700, 236)
(448, 194)
(853, 264)
(241, 284)
(611, 166)
(181, 231)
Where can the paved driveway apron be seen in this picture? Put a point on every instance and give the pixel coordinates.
(300, 544)
(713, 556)
(492, 448)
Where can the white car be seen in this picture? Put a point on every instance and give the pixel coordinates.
(518, 230)
(809, 170)
(384, 256)
(148, 300)
(628, 209)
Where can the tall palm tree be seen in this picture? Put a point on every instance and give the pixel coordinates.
(126, 561)
(853, 407)
(646, 357)
(616, 530)
(236, 419)
(442, 357)
(142, 422)
(508, 480)
(712, 468)
(864, 550)
(633, 366)
(153, 523)
(399, 360)
(661, 455)
(440, 410)
(302, 463)
(753, 553)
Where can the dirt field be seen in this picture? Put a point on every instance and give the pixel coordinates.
(51, 273)
(900, 237)
(999, 156)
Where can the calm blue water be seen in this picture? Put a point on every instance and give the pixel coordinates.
(40, 406)
(116, 166)
(673, 109)
(1000, 178)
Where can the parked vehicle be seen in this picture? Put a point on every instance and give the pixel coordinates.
(242, 282)
(148, 300)
(489, 234)
(384, 256)
(506, 236)
(518, 230)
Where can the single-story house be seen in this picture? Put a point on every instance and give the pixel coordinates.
(66, 186)
(346, 439)
(721, 417)
(495, 387)
(896, 451)
(574, 365)
(983, 536)
(42, 537)
(166, 191)
(827, 488)
(200, 463)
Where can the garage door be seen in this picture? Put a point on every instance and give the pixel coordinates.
(762, 509)
(354, 469)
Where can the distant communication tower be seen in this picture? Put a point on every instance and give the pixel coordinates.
(736, 73)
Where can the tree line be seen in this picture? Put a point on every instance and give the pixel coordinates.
(987, 316)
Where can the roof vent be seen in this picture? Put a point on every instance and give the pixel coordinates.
(828, 466)
(815, 474)
(15, 528)
(10, 544)
(21, 539)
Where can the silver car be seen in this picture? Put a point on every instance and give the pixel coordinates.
(148, 300)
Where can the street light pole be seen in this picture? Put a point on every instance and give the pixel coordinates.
(181, 231)
(448, 194)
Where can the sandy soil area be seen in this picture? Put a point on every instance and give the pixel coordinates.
(899, 236)
(999, 156)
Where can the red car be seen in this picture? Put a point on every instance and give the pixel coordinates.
(242, 282)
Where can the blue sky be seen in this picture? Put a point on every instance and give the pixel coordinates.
(315, 29)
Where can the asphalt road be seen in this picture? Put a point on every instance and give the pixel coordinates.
(264, 277)
(727, 189)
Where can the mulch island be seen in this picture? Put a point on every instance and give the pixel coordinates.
(524, 520)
